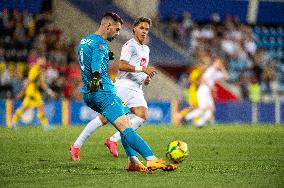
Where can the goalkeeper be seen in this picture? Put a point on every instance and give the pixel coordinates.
(99, 94)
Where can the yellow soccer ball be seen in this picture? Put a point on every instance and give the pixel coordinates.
(177, 151)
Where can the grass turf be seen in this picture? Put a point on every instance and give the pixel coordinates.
(220, 156)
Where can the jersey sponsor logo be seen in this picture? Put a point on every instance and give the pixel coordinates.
(143, 61)
(123, 103)
(86, 41)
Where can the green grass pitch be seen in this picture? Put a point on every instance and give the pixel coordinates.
(220, 156)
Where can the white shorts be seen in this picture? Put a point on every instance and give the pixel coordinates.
(131, 98)
(204, 96)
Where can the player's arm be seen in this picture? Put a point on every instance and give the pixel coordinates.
(125, 66)
(127, 52)
(194, 77)
(23, 90)
(45, 87)
(147, 80)
(31, 78)
(97, 59)
(225, 73)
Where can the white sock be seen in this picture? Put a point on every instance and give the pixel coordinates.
(206, 116)
(88, 131)
(150, 158)
(133, 159)
(193, 114)
(136, 122)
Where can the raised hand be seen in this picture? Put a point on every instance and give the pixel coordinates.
(150, 71)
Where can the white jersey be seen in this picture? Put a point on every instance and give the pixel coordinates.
(135, 54)
(210, 76)
(208, 79)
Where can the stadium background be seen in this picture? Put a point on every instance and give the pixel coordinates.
(184, 33)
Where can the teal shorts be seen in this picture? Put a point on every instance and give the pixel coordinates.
(107, 104)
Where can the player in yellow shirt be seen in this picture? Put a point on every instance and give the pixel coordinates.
(31, 93)
(193, 79)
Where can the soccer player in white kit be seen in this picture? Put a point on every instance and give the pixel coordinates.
(206, 106)
(131, 76)
(133, 73)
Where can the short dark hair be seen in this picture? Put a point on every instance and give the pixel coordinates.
(113, 16)
(142, 19)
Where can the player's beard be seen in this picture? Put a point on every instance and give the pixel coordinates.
(110, 39)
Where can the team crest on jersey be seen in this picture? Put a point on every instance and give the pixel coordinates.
(102, 47)
(143, 61)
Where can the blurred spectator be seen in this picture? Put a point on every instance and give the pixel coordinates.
(58, 55)
(248, 54)
(17, 81)
(269, 78)
(243, 85)
(187, 25)
(6, 82)
(32, 57)
(51, 73)
(2, 55)
(215, 18)
(254, 90)
(257, 70)
(24, 37)
(174, 28)
(73, 77)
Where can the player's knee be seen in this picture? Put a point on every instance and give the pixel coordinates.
(145, 116)
(103, 120)
(142, 113)
(40, 114)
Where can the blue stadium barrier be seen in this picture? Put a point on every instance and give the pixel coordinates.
(2, 112)
(235, 112)
(52, 111)
(80, 114)
(160, 112)
(282, 112)
(266, 112)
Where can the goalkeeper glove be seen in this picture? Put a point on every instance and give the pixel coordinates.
(110, 55)
(96, 82)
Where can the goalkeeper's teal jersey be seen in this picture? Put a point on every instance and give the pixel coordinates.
(93, 56)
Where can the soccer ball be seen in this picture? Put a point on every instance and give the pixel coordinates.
(177, 151)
